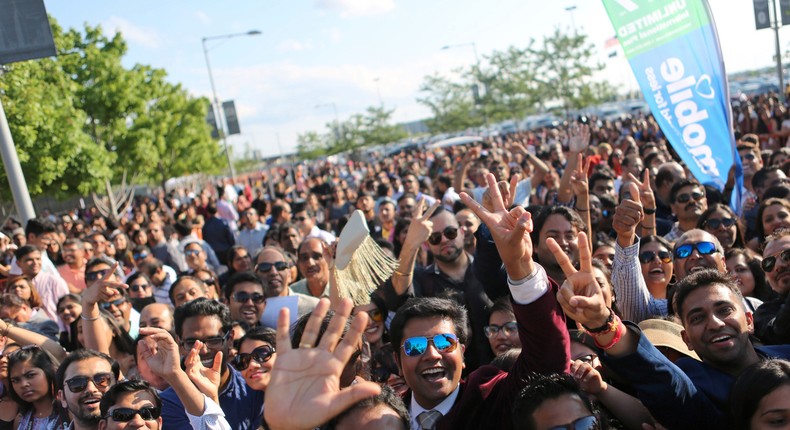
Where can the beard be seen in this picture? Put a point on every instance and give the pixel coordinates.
(449, 258)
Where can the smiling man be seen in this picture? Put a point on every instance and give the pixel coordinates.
(209, 321)
(245, 298)
(687, 200)
(274, 270)
(697, 250)
(772, 319)
(313, 267)
(83, 377)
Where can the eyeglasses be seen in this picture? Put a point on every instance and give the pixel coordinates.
(704, 248)
(769, 263)
(214, 342)
(589, 422)
(587, 358)
(242, 297)
(715, 223)
(140, 255)
(300, 218)
(92, 276)
(265, 267)
(449, 232)
(191, 252)
(304, 258)
(123, 415)
(648, 256)
(507, 328)
(116, 303)
(685, 198)
(416, 346)
(261, 355)
(78, 384)
(138, 287)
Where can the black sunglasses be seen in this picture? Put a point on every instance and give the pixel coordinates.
(265, 267)
(685, 198)
(214, 342)
(769, 263)
(78, 384)
(261, 355)
(589, 422)
(449, 232)
(123, 415)
(137, 287)
(92, 276)
(715, 223)
(649, 256)
(118, 302)
(242, 297)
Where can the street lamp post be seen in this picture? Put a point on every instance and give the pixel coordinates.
(215, 106)
(570, 10)
(461, 45)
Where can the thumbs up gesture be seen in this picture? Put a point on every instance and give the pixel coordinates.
(627, 216)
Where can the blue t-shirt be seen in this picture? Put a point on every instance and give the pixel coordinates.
(242, 405)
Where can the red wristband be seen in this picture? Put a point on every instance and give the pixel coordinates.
(619, 330)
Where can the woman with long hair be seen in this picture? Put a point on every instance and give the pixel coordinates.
(256, 357)
(720, 221)
(23, 287)
(239, 260)
(760, 397)
(31, 372)
(772, 215)
(8, 408)
(749, 275)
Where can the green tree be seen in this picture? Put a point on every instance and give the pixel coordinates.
(565, 70)
(374, 127)
(451, 103)
(311, 145)
(82, 117)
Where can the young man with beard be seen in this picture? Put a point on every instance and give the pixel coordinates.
(687, 200)
(73, 271)
(450, 276)
(49, 287)
(772, 319)
(274, 271)
(209, 321)
(688, 394)
(82, 378)
(245, 298)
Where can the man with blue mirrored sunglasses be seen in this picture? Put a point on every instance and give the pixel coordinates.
(696, 250)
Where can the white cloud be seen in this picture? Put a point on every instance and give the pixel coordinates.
(147, 37)
(292, 45)
(203, 17)
(353, 8)
(335, 35)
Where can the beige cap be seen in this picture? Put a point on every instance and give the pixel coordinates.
(666, 333)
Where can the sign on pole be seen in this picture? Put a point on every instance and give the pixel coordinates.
(674, 51)
(762, 16)
(25, 33)
(231, 120)
(784, 10)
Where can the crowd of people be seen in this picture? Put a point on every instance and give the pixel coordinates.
(576, 277)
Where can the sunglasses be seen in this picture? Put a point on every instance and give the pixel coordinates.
(749, 157)
(209, 281)
(374, 315)
(265, 267)
(606, 213)
(191, 252)
(416, 346)
(300, 218)
(648, 256)
(78, 384)
(449, 232)
(261, 355)
(119, 302)
(95, 275)
(123, 415)
(704, 248)
(140, 255)
(507, 328)
(256, 298)
(715, 223)
(214, 342)
(685, 198)
(769, 263)
(138, 287)
(589, 422)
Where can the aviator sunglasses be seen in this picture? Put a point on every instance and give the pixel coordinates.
(416, 346)
(449, 232)
(769, 263)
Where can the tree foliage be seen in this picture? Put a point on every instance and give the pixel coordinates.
(374, 127)
(515, 82)
(83, 117)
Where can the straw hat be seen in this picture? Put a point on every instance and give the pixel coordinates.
(667, 334)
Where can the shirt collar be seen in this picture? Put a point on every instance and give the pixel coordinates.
(443, 407)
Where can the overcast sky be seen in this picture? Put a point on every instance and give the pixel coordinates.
(347, 52)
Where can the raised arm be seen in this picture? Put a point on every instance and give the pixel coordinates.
(648, 201)
(419, 230)
(304, 391)
(160, 352)
(460, 171)
(579, 138)
(26, 337)
(581, 190)
(95, 331)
